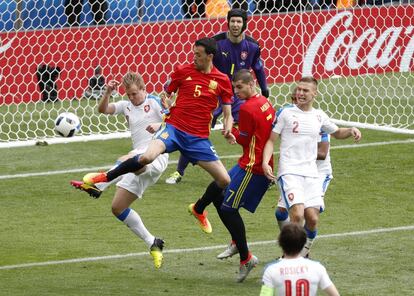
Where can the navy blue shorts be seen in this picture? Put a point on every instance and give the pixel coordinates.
(194, 148)
(245, 190)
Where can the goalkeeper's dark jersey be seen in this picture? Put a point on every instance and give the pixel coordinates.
(231, 57)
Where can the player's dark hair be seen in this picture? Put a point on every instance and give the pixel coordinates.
(240, 13)
(244, 75)
(292, 238)
(209, 44)
(309, 79)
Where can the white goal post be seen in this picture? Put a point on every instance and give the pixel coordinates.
(362, 56)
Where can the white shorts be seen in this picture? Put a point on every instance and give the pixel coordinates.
(324, 181)
(137, 184)
(297, 189)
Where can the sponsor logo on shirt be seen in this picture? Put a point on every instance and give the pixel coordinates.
(189, 78)
(225, 53)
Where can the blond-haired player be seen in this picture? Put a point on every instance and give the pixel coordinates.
(144, 115)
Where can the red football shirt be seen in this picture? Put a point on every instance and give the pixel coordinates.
(197, 98)
(255, 125)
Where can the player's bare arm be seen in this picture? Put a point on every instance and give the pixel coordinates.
(104, 106)
(323, 149)
(231, 139)
(344, 133)
(267, 154)
(227, 120)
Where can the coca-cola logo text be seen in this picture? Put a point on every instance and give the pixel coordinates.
(370, 49)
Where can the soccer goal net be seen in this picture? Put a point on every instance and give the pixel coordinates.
(53, 52)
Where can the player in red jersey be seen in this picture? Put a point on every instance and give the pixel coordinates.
(187, 127)
(248, 182)
(197, 97)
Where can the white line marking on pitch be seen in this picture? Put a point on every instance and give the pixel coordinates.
(95, 169)
(173, 251)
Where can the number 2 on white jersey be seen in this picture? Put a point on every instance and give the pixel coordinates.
(295, 127)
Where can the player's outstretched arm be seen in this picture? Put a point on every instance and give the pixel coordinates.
(267, 154)
(104, 107)
(344, 133)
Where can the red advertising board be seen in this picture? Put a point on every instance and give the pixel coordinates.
(322, 44)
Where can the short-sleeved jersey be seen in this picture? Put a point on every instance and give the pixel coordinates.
(139, 117)
(197, 98)
(231, 57)
(299, 133)
(288, 276)
(324, 166)
(256, 117)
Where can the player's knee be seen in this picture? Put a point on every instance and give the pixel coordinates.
(224, 181)
(281, 214)
(312, 222)
(144, 159)
(297, 214)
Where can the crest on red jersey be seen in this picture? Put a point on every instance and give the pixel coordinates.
(243, 55)
(147, 108)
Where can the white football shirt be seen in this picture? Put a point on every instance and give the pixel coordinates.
(299, 133)
(298, 276)
(139, 117)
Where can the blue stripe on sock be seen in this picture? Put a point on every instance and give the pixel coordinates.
(281, 215)
(311, 234)
(124, 214)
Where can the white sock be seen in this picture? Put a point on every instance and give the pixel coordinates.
(306, 248)
(134, 222)
(102, 186)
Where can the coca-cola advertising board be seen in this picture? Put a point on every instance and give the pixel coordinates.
(322, 44)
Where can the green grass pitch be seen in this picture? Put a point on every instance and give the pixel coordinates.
(44, 220)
